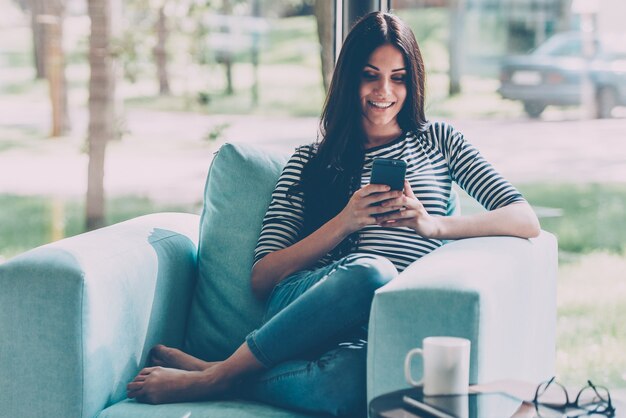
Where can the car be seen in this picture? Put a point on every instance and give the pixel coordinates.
(553, 74)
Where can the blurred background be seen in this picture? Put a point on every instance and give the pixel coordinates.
(111, 109)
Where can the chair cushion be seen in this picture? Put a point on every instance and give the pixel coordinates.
(237, 193)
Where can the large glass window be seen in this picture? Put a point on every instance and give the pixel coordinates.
(189, 76)
(539, 86)
(527, 82)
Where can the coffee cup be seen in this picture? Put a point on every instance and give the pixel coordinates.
(446, 366)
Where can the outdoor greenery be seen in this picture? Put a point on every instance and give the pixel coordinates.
(591, 335)
(30, 221)
(591, 219)
(591, 289)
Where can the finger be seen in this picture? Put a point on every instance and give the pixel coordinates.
(408, 190)
(140, 378)
(408, 222)
(397, 203)
(398, 215)
(381, 197)
(374, 188)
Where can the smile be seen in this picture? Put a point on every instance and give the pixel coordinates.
(381, 105)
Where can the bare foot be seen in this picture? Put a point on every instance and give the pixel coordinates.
(158, 385)
(174, 358)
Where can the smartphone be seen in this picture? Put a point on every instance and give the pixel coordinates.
(473, 405)
(389, 171)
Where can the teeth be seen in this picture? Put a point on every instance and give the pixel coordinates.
(381, 105)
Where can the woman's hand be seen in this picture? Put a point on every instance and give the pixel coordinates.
(360, 211)
(409, 212)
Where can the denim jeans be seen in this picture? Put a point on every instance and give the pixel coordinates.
(313, 339)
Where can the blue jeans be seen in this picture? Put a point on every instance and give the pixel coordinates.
(313, 339)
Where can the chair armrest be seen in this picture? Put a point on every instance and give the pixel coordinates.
(499, 292)
(78, 316)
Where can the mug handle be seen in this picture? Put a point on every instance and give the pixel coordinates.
(407, 366)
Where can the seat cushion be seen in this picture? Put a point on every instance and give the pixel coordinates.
(237, 193)
(215, 409)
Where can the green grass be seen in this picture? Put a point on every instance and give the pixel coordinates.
(30, 221)
(592, 215)
(591, 335)
(292, 41)
(591, 231)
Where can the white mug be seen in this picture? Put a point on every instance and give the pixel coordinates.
(446, 365)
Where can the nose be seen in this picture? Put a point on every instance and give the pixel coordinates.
(383, 88)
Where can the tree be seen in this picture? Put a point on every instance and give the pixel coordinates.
(48, 55)
(39, 36)
(324, 15)
(101, 107)
(455, 48)
(160, 51)
(226, 56)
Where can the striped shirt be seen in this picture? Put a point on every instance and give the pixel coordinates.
(435, 158)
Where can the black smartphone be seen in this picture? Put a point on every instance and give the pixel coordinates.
(389, 171)
(473, 405)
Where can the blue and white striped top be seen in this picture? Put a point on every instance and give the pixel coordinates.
(435, 158)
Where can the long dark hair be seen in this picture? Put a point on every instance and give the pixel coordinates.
(334, 173)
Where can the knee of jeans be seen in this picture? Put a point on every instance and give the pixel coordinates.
(370, 271)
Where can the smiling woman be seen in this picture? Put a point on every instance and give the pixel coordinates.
(330, 238)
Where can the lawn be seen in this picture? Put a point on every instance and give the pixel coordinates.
(29, 221)
(591, 231)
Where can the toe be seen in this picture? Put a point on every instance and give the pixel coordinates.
(147, 370)
(134, 386)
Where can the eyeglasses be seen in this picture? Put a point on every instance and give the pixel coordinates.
(591, 399)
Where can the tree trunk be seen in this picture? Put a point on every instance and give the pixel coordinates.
(457, 16)
(227, 59)
(52, 21)
(324, 14)
(101, 108)
(39, 37)
(160, 52)
(256, 12)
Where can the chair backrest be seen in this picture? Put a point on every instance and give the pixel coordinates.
(237, 193)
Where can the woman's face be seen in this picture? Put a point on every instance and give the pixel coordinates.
(383, 90)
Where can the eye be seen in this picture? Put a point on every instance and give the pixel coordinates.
(400, 78)
(368, 75)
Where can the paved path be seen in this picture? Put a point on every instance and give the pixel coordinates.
(166, 158)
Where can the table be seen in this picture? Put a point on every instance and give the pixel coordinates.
(391, 405)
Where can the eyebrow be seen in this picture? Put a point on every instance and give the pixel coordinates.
(378, 69)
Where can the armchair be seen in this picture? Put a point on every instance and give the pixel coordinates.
(78, 316)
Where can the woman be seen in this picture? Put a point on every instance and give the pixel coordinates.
(325, 247)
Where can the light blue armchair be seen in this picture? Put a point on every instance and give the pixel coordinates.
(78, 317)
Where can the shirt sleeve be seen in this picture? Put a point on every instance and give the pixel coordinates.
(474, 174)
(284, 217)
